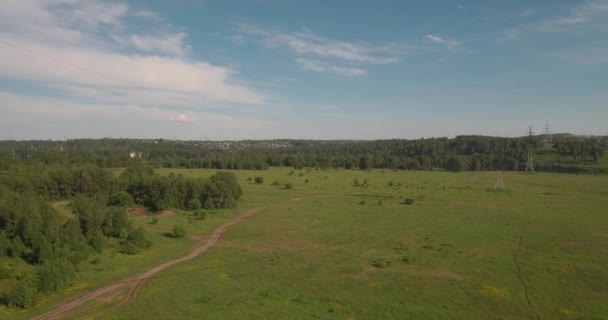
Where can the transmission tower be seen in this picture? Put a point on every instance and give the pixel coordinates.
(499, 184)
(547, 133)
(530, 163)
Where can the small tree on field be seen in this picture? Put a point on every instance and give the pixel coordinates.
(288, 185)
(179, 231)
(259, 180)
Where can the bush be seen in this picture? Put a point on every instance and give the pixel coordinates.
(288, 185)
(200, 214)
(25, 293)
(5, 272)
(129, 248)
(259, 180)
(194, 204)
(275, 183)
(154, 220)
(209, 204)
(179, 231)
(408, 201)
(362, 202)
(306, 181)
(121, 199)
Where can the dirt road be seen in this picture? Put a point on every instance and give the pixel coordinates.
(132, 285)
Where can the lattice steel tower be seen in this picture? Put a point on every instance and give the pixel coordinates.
(530, 162)
(547, 133)
(500, 184)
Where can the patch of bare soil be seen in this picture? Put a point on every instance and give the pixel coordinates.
(165, 213)
(135, 212)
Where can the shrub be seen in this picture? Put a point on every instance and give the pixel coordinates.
(5, 272)
(362, 202)
(154, 220)
(356, 183)
(25, 293)
(408, 201)
(380, 263)
(121, 199)
(194, 204)
(200, 214)
(179, 231)
(288, 185)
(306, 181)
(209, 204)
(129, 248)
(275, 183)
(390, 183)
(259, 180)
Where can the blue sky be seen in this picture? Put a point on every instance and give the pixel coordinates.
(259, 69)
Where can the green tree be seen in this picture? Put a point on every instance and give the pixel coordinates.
(179, 231)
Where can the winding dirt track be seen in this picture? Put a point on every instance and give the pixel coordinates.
(133, 284)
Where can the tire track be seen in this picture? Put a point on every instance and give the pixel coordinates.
(521, 280)
(133, 284)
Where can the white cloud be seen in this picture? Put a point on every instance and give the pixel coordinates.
(78, 48)
(147, 14)
(307, 43)
(182, 117)
(581, 19)
(582, 27)
(170, 44)
(441, 41)
(318, 66)
(585, 13)
(320, 54)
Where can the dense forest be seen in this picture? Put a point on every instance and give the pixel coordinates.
(565, 153)
(52, 245)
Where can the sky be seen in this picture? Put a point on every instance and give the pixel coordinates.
(301, 69)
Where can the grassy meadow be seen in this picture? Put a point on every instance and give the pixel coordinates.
(459, 251)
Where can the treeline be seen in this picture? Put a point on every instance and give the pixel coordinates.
(54, 245)
(566, 153)
(32, 231)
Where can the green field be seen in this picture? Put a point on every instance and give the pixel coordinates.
(346, 252)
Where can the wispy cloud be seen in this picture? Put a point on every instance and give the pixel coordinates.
(143, 13)
(170, 44)
(448, 43)
(583, 27)
(322, 67)
(582, 14)
(307, 45)
(591, 15)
